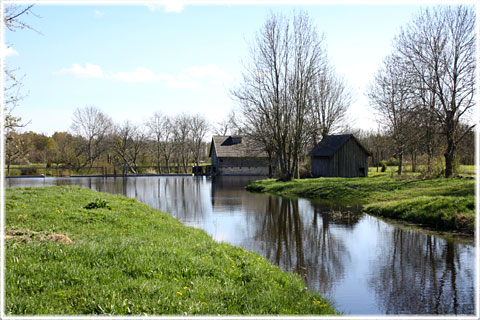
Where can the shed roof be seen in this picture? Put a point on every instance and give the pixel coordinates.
(236, 147)
(330, 144)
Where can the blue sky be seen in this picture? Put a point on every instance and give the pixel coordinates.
(133, 60)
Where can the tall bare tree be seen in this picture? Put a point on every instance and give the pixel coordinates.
(95, 126)
(198, 130)
(274, 96)
(15, 144)
(159, 129)
(181, 133)
(439, 45)
(226, 126)
(129, 143)
(331, 99)
(390, 95)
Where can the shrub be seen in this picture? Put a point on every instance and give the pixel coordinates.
(305, 170)
(383, 164)
(28, 172)
(392, 161)
(98, 203)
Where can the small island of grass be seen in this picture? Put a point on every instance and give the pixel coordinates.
(70, 250)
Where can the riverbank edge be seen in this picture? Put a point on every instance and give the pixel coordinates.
(124, 257)
(446, 209)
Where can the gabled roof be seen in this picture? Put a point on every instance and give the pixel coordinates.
(236, 147)
(330, 144)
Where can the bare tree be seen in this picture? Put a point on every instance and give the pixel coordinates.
(331, 99)
(275, 94)
(439, 45)
(13, 14)
(198, 129)
(95, 126)
(159, 129)
(181, 133)
(13, 20)
(129, 142)
(15, 146)
(390, 95)
(226, 126)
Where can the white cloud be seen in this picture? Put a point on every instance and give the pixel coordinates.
(89, 71)
(140, 75)
(192, 77)
(98, 14)
(8, 51)
(168, 6)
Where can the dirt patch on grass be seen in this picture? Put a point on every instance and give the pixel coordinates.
(28, 235)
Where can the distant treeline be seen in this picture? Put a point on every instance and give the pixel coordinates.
(96, 141)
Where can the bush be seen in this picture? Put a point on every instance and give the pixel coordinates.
(383, 164)
(28, 172)
(98, 203)
(305, 171)
(392, 161)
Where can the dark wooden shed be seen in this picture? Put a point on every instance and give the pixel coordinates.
(339, 156)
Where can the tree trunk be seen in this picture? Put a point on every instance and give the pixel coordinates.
(414, 161)
(400, 163)
(429, 157)
(167, 163)
(450, 158)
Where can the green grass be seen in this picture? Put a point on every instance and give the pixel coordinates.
(127, 258)
(443, 204)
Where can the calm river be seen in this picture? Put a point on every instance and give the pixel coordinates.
(366, 266)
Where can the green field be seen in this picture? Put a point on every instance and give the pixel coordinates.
(442, 204)
(122, 257)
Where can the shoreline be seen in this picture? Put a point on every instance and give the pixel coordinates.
(444, 205)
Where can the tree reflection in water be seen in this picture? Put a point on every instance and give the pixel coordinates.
(300, 239)
(416, 273)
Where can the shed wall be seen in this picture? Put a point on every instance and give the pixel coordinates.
(350, 160)
(321, 167)
(214, 156)
(242, 166)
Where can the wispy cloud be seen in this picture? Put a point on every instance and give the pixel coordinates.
(7, 51)
(89, 71)
(192, 77)
(98, 14)
(140, 75)
(168, 6)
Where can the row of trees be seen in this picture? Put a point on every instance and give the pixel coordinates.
(426, 86)
(155, 144)
(381, 143)
(95, 140)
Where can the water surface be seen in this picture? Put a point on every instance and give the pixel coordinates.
(365, 265)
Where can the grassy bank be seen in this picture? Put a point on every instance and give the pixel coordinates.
(443, 204)
(122, 257)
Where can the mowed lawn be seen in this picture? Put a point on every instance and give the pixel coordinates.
(122, 257)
